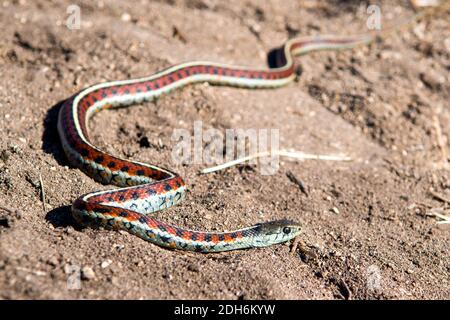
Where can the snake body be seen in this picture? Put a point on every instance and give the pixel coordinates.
(146, 188)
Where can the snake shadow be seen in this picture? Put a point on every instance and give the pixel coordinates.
(59, 217)
(50, 138)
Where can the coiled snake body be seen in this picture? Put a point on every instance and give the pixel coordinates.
(146, 188)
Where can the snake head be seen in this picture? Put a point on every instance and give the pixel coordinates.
(269, 233)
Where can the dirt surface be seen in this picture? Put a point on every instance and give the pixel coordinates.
(367, 229)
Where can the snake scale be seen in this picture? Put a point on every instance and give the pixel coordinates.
(147, 188)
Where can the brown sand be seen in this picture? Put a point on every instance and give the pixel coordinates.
(367, 233)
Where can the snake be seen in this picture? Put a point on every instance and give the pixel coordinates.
(144, 188)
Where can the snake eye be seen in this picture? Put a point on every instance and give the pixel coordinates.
(287, 230)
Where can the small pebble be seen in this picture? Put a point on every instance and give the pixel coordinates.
(53, 261)
(87, 273)
(432, 80)
(119, 247)
(114, 280)
(125, 17)
(4, 155)
(193, 267)
(140, 264)
(69, 230)
(106, 263)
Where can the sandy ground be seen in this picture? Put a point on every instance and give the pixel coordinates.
(367, 234)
